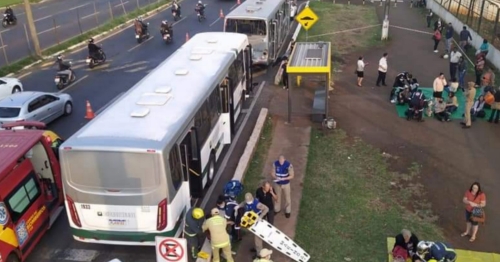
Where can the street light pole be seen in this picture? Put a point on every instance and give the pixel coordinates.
(385, 23)
(32, 28)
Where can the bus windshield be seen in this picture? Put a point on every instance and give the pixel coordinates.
(111, 170)
(244, 26)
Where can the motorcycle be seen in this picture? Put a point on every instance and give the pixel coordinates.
(142, 36)
(6, 22)
(167, 37)
(64, 78)
(92, 62)
(201, 16)
(176, 15)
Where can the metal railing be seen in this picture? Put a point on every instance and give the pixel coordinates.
(481, 16)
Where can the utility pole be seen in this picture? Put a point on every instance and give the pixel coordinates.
(32, 28)
(385, 24)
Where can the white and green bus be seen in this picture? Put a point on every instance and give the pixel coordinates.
(130, 173)
(265, 22)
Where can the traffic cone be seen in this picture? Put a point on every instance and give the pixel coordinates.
(221, 15)
(238, 2)
(187, 37)
(90, 113)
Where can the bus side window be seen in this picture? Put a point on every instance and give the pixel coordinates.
(23, 196)
(175, 167)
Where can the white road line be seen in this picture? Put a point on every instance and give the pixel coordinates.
(76, 7)
(87, 16)
(43, 7)
(140, 44)
(109, 103)
(4, 46)
(3, 31)
(215, 22)
(124, 3)
(72, 85)
(45, 17)
(233, 7)
(48, 30)
(24, 75)
(179, 21)
(231, 148)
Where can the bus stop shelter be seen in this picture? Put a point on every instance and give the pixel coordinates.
(309, 66)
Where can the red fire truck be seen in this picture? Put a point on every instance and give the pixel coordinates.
(31, 194)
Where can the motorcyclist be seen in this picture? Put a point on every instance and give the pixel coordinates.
(200, 7)
(94, 50)
(64, 67)
(166, 28)
(176, 8)
(10, 14)
(441, 252)
(143, 25)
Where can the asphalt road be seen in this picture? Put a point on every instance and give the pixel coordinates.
(128, 62)
(58, 20)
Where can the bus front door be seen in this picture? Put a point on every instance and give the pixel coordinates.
(190, 158)
(227, 103)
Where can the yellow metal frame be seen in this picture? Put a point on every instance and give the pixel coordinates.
(311, 69)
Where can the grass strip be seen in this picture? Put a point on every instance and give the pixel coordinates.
(5, 3)
(348, 206)
(254, 174)
(18, 65)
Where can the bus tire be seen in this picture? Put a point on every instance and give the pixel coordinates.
(212, 169)
(13, 258)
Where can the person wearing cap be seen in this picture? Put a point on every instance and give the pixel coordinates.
(264, 256)
(253, 204)
(193, 222)
(219, 238)
(282, 174)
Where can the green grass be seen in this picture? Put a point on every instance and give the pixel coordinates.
(348, 206)
(4, 3)
(339, 17)
(16, 66)
(254, 175)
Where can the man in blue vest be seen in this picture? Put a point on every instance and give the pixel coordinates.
(282, 174)
(253, 204)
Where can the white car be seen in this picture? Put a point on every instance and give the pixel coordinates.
(9, 86)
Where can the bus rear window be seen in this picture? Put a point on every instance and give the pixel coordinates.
(110, 170)
(249, 27)
(9, 112)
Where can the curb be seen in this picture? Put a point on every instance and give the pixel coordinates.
(81, 44)
(242, 166)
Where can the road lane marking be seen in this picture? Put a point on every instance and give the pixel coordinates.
(136, 69)
(3, 31)
(124, 3)
(48, 30)
(43, 7)
(214, 22)
(76, 7)
(126, 66)
(109, 103)
(231, 148)
(131, 49)
(69, 87)
(24, 75)
(43, 18)
(2, 47)
(87, 16)
(233, 7)
(179, 21)
(80, 255)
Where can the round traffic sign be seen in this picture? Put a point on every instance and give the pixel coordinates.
(171, 250)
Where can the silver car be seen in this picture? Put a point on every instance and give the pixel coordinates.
(35, 106)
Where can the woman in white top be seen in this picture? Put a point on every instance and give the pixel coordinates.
(360, 70)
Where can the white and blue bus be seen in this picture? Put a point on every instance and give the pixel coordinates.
(130, 173)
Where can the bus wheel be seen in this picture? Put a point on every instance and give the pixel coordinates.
(211, 168)
(13, 258)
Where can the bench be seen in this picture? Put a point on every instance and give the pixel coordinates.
(319, 103)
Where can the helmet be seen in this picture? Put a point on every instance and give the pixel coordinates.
(91, 40)
(59, 57)
(423, 247)
(164, 22)
(139, 19)
(199, 2)
(198, 213)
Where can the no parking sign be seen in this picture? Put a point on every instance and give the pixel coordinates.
(170, 249)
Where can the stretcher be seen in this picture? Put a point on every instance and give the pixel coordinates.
(273, 236)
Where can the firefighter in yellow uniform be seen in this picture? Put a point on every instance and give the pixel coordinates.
(219, 238)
